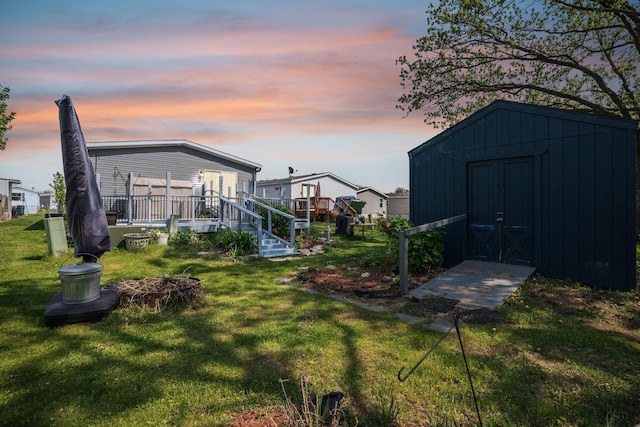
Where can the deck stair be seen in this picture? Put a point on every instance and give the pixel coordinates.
(272, 247)
(345, 206)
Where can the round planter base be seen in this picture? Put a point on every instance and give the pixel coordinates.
(135, 241)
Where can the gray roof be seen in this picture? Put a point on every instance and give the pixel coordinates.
(309, 177)
(105, 145)
(11, 180)
(373, 190)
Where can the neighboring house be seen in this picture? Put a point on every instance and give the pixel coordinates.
(376, 202)
(294, 187)
(6, 189)
(48, 201)
(554, 189)
(398, 205)
(26, 202)
(197, 167)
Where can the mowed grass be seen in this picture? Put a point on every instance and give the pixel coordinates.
(567, 356)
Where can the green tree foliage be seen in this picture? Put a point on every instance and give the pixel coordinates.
(5, 118)
(60, 190)
(575, 54)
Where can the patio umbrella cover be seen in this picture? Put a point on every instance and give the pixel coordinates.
(85, 213)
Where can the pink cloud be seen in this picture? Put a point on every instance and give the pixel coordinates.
(223, 82)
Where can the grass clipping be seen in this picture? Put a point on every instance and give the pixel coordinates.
(160, 292)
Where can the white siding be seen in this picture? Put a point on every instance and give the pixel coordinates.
(28, 198)
(398, 206)
(373, 201)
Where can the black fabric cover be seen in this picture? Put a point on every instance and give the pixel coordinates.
(342, 221)
(85, 213)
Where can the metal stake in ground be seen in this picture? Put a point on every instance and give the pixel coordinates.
(402, 378)
(433, 347)
(475, 401)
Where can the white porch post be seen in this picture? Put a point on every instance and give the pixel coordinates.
(130, 201)
(167, 203)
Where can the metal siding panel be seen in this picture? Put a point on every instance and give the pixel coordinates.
(623, 210)
(480, 133)
(543, 213)
(631, 139)
(415, 184)
(570, 226)
(427, 194)
(420, 207)
(440, 189)
(528, 134)
(590, 186)
(540, 128)
(630, 157)
(556, 207)
(501, 131)
(604, 213)
(460, 188)
(467, 141)
(472, 143)
(515, 133)
(489, 130)
(527, 128)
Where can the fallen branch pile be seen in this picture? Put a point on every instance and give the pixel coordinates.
(159, 292)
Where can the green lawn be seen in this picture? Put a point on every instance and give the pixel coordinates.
(568, 356)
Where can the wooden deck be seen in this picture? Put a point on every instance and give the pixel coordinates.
(319, 208)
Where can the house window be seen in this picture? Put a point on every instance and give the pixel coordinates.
(18, 197)
(381, 203)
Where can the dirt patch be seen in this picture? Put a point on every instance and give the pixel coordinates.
(265, 417)
(383, 291)
(608, 307)
(481, 316)
(429, 305)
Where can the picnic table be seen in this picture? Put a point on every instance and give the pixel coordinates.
(363, 226)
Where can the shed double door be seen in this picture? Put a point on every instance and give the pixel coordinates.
(500, 211)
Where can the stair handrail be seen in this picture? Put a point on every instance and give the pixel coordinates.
(270, 211)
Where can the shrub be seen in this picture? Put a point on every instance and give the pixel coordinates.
(191, 239)
(235, 242)
(425, 248)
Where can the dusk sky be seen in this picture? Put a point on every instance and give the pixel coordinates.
(310, 84)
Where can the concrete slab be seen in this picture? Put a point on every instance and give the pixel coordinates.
(476, 284)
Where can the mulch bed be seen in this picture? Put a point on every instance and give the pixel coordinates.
(378, 289)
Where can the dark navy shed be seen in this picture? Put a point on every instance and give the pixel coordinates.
(549, 188)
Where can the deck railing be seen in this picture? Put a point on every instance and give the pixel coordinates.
(157, 208)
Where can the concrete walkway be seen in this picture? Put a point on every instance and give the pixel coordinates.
(475, 285)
